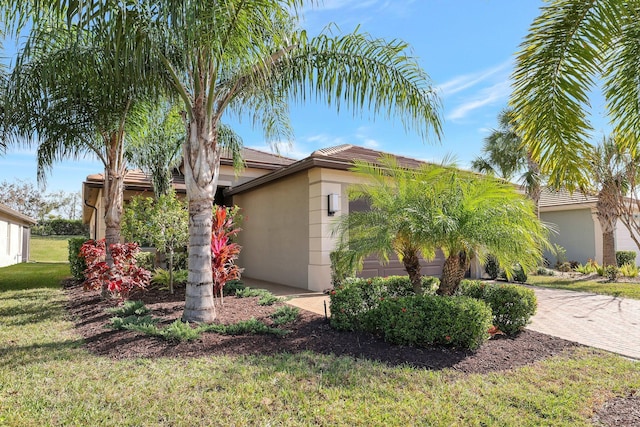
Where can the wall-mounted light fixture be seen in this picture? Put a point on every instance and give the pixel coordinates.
(334, 203)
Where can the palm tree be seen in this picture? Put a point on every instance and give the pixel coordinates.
(570, 46)
(248, 57)
(415, 212)
(506, 156)
(608, 173)
(72, 90)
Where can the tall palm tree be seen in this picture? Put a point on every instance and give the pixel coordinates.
(248, 57)
(72, 90)
(414, 212)
(570, 46)
(608, 173)
(506, 156)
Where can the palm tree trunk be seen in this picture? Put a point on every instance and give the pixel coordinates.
(453, 272)
(201, 164)
(113, 197)
(411, 263)
(607, 212)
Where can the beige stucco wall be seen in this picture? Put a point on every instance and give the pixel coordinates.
(624, 242)
(578, 231)
(275, 236)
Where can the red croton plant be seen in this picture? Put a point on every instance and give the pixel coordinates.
(224, 252)
(123, 277)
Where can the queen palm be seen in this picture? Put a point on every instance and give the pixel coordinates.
(572, 45)
(415, 212)
(248, 57)
(73, 92)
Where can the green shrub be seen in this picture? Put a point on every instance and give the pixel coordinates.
(425, 320)
(354, 297)
(565, 267)
(161, 277)
(129, 308)
(492, 267)
(611, 272)
(519, 275)
(180, 331)
(146, 260)
(625, 257)
(251, 326)
(265, 297)
(343, 265)
(60, 227)
(285, 314)
(76, 262)
(629, 270)
(542, 271)
(590, 267)
(232, 287)
(512, 305)
(131, 322)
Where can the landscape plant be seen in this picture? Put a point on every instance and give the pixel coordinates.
(625, 257)
(77, 263)
(224, 251)
(119, 279)
(629, 270)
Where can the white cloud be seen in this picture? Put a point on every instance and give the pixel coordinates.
(488, 96)
(284, 148)
(371, 143)
(460, 83)
(325, 140)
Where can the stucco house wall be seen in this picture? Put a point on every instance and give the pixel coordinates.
(15, 231)
(275, 232)
(624, 242)
(575, 232)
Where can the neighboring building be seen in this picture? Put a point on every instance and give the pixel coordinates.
(577, 228)
(15, 232)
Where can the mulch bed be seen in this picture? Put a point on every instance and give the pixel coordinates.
(312, 333)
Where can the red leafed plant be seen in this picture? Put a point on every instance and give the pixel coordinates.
(123, 277)
(224, 252)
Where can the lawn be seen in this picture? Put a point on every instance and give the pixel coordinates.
(49, 248)
(617, 289)
(47, 378)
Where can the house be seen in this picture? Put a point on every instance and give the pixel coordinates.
(15, 232)
(286, 235)
(577, 229)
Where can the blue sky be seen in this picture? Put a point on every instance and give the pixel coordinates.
(466, 46)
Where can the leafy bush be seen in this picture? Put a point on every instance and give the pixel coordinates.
(542, 271)
(161, 277)
(132, 322)
(492, 267)
(146, 260)
(251, 326)
(625, 257)
(354, 297)
(629, 270)
(343, 265)
(265, 297)
(232, 287)
(611, 272)
(424, 320)
(285, 314)
(512, 305)
(129, 308)
(60, 227)
(519, 275)
(561, 255)
(590, 267)
(76, 262)
(565, 267)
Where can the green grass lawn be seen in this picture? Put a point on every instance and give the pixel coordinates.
(47, 378)
(626, 290)
(49, 248)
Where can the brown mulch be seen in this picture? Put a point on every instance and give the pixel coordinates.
(312, 333)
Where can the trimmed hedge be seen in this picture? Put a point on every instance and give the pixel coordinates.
(425, 320)
(76, 263)
(512, 305)
(60, 227)
(625, 257)
(356, 296)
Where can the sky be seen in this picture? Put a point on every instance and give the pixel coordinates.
(467, 48)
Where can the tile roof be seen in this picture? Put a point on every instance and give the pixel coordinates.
(15, 214)
(550, 198)
(348, 153)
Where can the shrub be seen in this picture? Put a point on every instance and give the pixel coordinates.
(561, 255)
(232, 287)
(132, 323)
(285, 314)
(542, 271)
(629, 270)
(146, 260)
(492, 267)
(590, 267)
(625, 257)
(611, 272)
(129, 308)
(251, 326)
(354, 297)
(264, 297)
(76, 262)
(519, 275)
(565, 267)
(60, 227)
(424, 320)
(343, 266)
(161, 277)
(512, 305)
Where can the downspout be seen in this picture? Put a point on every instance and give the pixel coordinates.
(95, 222)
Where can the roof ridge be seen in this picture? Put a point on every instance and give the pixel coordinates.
(332, 150)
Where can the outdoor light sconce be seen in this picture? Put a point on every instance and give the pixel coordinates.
(334, 203)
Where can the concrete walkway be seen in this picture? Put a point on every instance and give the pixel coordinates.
(605, 322)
